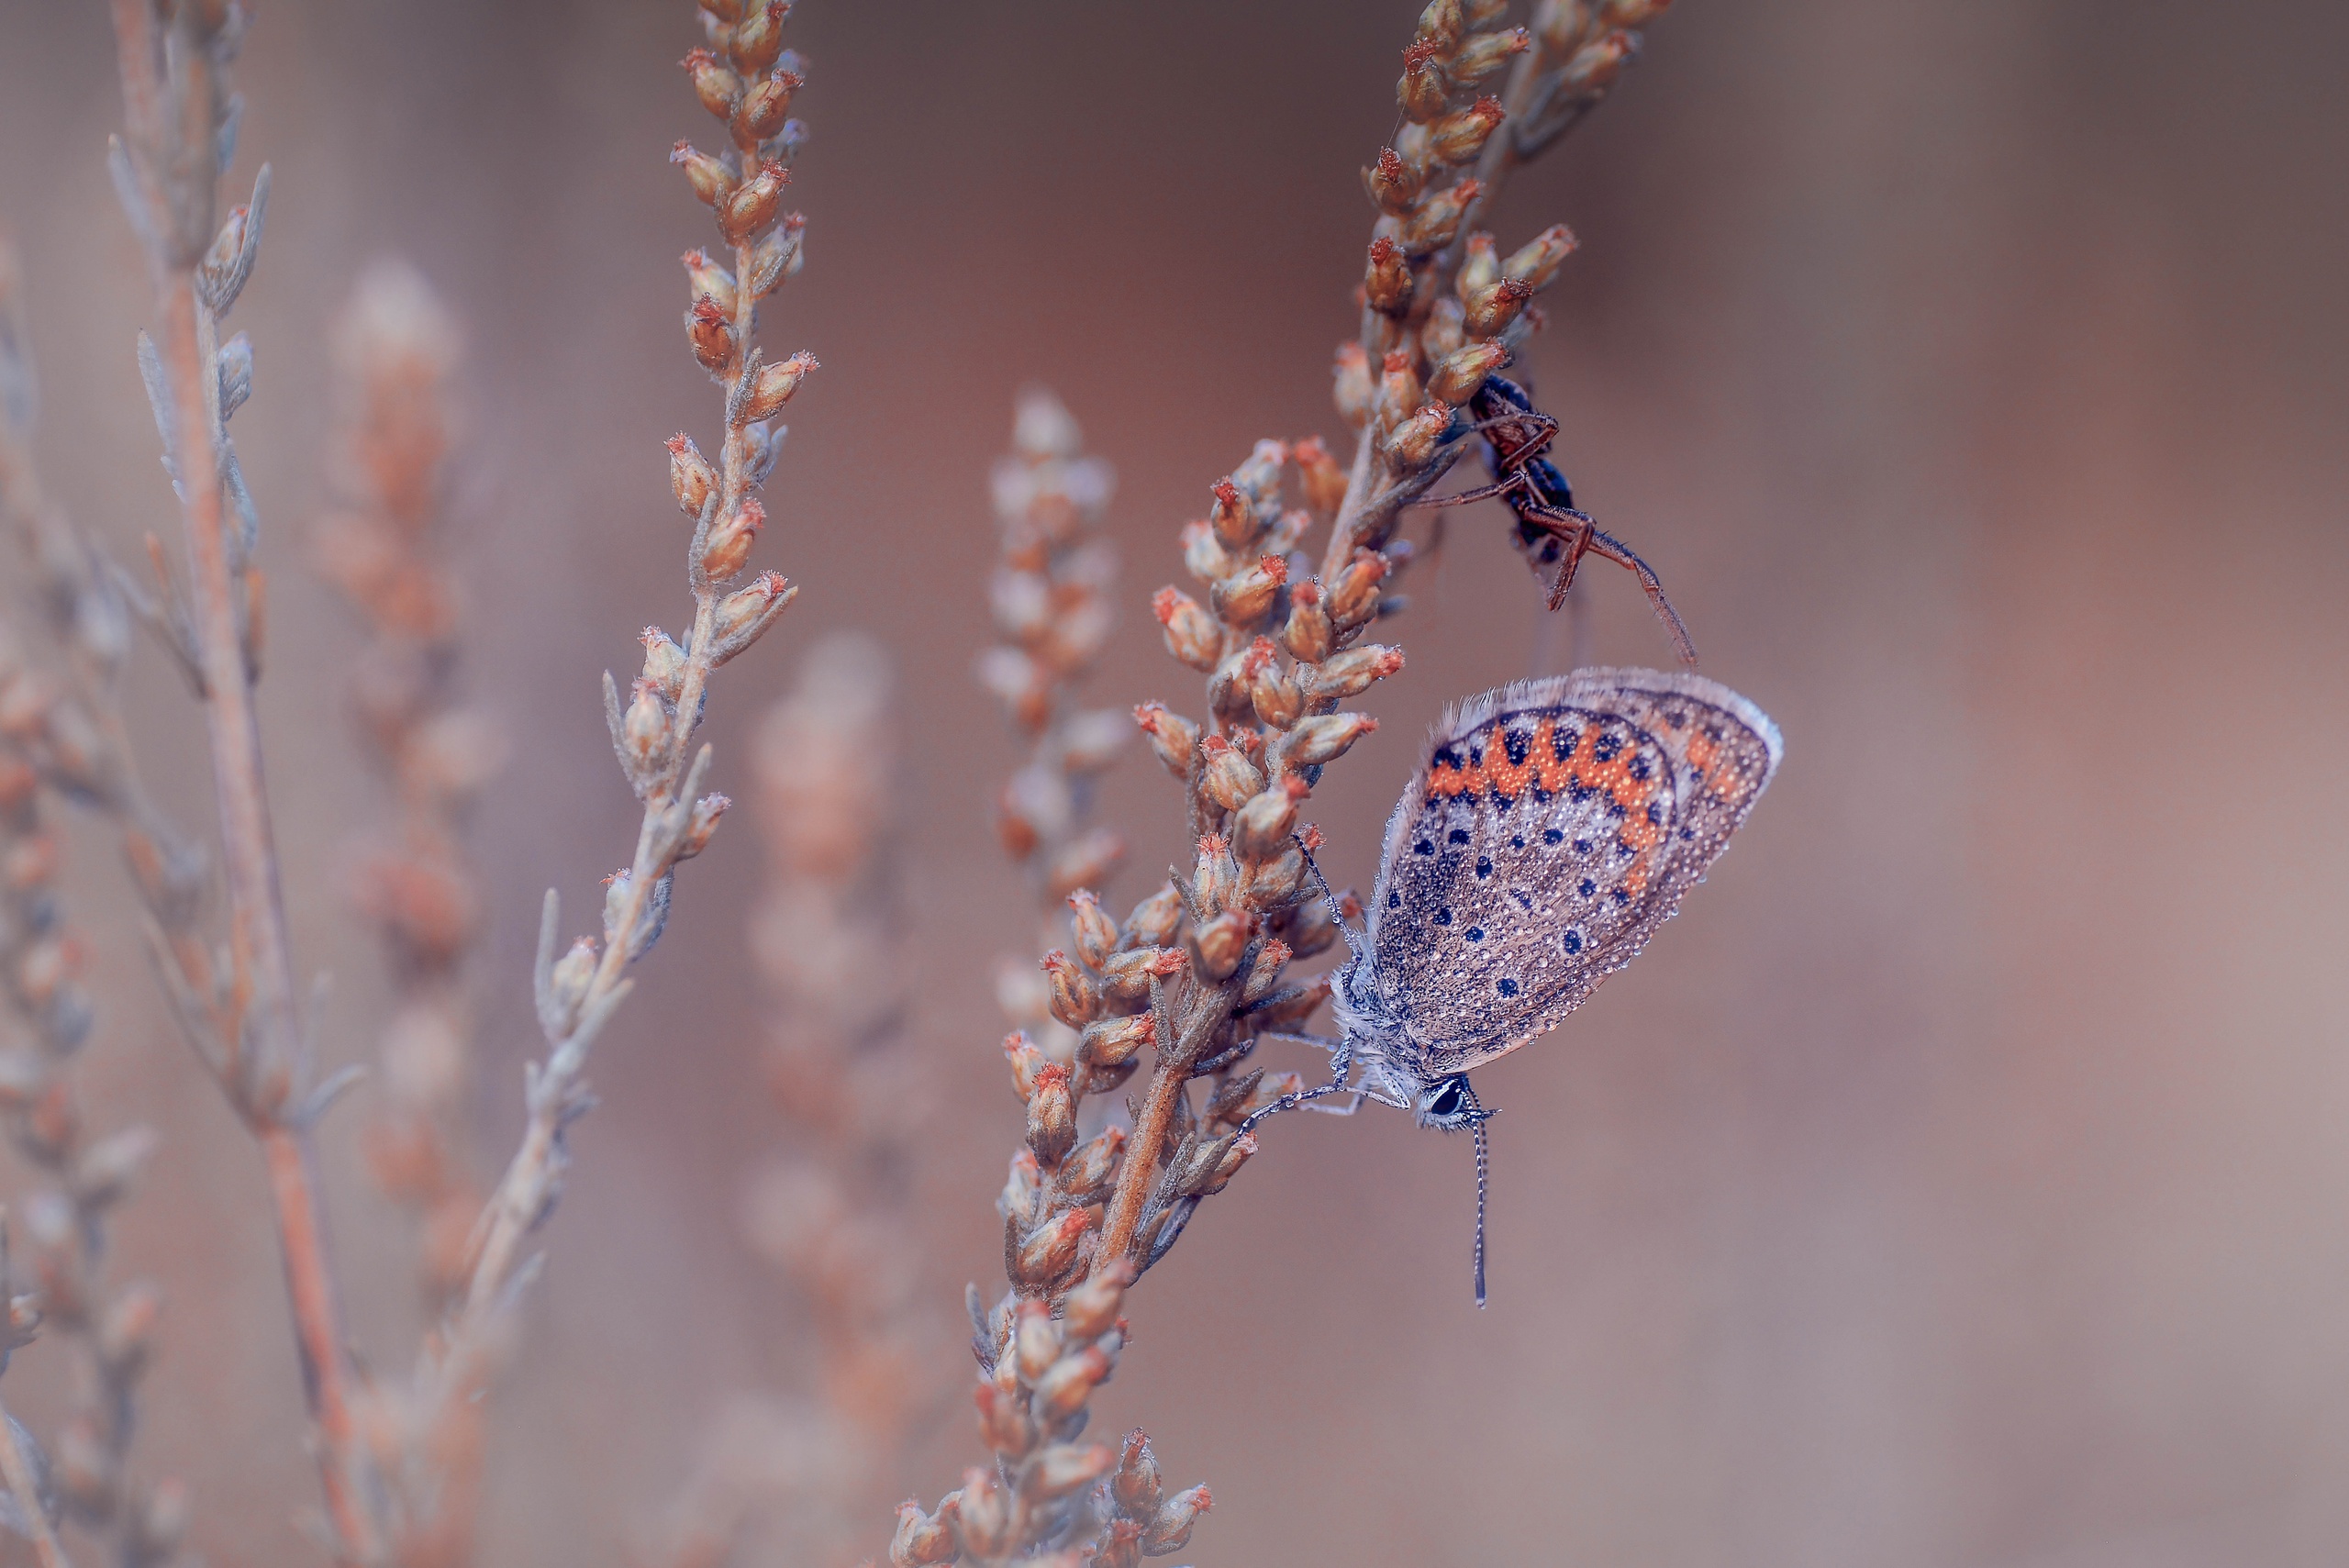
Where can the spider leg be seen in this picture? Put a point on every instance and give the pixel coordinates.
(1572, 526)
(1615, 550)
(1481, 493)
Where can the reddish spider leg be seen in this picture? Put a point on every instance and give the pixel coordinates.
(1576, 530)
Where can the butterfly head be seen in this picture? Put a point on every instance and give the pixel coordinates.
(1448, 1103)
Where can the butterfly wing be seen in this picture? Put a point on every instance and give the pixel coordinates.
(1552, 826)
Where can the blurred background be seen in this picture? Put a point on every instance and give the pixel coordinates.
(1963, 1179)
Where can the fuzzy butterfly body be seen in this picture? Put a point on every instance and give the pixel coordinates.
(1551, 827)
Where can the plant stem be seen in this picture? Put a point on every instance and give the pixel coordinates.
(263, 966)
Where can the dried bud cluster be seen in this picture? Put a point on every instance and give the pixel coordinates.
(1051, 599)
(1049, 1498)
(381, 545)
(60, 731)
(744, 77)
(826, 1211)
(1442, 306)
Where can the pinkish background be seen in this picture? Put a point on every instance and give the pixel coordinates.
(1963, 1181)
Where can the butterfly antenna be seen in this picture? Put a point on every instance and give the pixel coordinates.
(1476, 1126)
(1337, 915)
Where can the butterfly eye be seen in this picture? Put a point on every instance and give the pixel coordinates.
(1446, 1101)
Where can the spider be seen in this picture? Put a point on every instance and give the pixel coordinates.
(1549, 529)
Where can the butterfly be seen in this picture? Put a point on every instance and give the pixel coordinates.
(1550, 827)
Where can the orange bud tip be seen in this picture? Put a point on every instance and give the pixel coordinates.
(1275, 567)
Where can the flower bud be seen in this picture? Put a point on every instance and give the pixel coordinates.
(727, 549)
(1260, 827)
(1387, 284)
(1091, 1174)
(1021, 1188)
(1481, 54)
(711, 334)
(774, 384)
(1350, 673)
(1047, 1253)
(1153, 921)
(1062, 1468)
(764, 108)
(1005, 1425)
(1326, 739)
(1113, 1042)
(1174, 738)
(1320, 479)
(756, 40)
(1422, 89)
(1136, 1486)
(1399, 392)
(1417, 440)
(1595, 65)
(1215, 875)
(712, 181)
(1246, 597)
(645, 726)
(704, 276)
(1035, 1340)
(988, 1527)
(1052, 1116)
(1275, 696)
(1093, 933)
(1233, 518)
(126, 1332)
(1090, 742)
(1126, 975)
(717, 88)
(1441, 335)
(1272, 882)
(1392, 182)
(1259, 477)
(1561, 23)
(1089, 857)
(1204, 1171)
(1439, 25)
(753, 204)
(1460, 135)
(1461, 375)
(780, 254)
(1068, 1384)
(921, 1539)
(1171, 1527)
(1310, 931)
(1306, 634)
(1439, 218)
(702, 825)
(569, 981)
(744, 614)
(1631, 12)
(1352, 389)
(1191, 633)
(1025, 1059)
(1219, 944)
(1264, 973)
(1091, 1309)
(1354, 598)
(1494, 307)
(691, 478)
(1072, 996)
(1537, 260)
(1203, 554)
(1229, 777)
